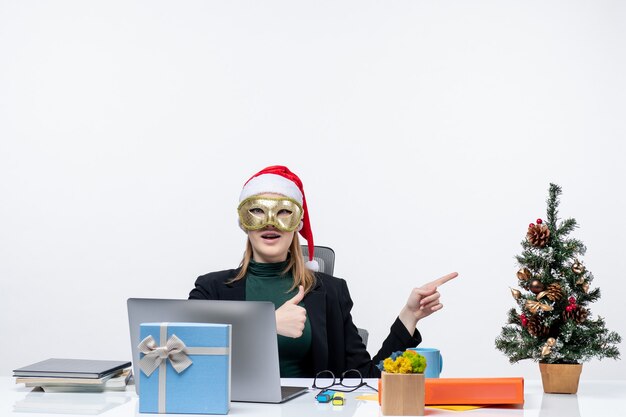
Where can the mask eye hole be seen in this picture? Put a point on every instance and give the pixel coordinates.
(256, 211)
(284, 213)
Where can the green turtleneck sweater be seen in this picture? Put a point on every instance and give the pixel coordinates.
(266, 282)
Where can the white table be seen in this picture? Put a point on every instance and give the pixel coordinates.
(594, 399)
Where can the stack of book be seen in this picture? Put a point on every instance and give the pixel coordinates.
(75, 375)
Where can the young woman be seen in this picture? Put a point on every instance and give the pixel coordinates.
(313, 320)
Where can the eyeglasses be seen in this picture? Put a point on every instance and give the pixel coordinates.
(351, 380)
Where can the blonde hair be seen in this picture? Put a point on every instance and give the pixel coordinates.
(301, 274)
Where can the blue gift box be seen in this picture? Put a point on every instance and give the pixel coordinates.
(185, 368)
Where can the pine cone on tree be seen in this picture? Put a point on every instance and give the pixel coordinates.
(554, 292)
(536, 327)
(538, 235)
(579, 315)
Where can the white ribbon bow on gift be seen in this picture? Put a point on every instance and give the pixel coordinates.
(174, 350)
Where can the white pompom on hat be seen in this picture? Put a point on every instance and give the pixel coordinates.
(279, 179)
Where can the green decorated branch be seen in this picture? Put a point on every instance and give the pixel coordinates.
(552, 322)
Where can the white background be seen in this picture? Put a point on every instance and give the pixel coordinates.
(426, 134)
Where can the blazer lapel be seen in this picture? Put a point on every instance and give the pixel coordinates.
(315, 305)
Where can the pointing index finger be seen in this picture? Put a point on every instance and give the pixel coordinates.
(444, 279)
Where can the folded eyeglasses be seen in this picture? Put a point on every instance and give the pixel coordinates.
(350, 380)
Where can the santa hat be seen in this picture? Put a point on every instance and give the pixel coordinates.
(279, 179)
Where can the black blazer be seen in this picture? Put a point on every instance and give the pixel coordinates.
(336, 344)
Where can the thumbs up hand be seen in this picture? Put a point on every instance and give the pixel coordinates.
(290, 317)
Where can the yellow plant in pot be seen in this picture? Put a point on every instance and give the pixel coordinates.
(402, 388)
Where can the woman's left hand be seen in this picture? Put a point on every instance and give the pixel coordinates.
(423, 301)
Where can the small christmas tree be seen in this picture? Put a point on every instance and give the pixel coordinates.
(554, 323)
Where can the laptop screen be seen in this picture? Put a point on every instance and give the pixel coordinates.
(255, 369)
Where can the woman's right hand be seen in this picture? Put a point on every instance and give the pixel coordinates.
(290, 317)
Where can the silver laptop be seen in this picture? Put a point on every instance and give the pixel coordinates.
(255, 373)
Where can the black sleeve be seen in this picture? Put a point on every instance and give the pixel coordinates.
(357, 357)
(202, 291)
(207, 287)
